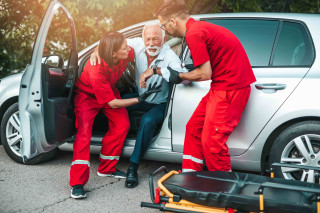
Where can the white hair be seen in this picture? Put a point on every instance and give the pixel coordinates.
(152, 24)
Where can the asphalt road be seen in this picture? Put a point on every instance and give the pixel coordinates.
(45, 188)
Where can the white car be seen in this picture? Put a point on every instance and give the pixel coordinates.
(281, 122)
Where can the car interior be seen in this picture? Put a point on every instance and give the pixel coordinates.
(57, 94)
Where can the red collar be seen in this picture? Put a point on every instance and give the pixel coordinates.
(190, 22)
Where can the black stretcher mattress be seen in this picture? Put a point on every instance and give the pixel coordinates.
(237, 191)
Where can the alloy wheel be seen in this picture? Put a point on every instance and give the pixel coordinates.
(13, 133)
(302, 150)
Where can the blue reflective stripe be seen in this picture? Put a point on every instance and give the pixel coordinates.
(109, 157)
(81, 162)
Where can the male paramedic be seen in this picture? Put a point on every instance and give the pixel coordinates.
(217, 55)
(153, 57)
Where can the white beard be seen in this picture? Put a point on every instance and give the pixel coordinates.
(152, 54)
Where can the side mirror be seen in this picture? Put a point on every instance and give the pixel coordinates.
(53, 61)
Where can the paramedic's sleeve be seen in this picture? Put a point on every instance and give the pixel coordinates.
(198, 49)
(171, 60)
(101, 87)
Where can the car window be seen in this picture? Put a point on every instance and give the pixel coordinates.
(256, 36)
(294, 47)
(59, 40)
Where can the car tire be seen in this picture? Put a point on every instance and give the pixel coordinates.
(10, 126)
(293, 146)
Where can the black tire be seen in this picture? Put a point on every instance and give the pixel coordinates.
(14, 152)
(285, 150)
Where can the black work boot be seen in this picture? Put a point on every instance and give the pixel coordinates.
(132, 176)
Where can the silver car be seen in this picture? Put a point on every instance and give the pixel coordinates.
(281, 122)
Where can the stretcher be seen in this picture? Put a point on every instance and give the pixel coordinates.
(229, 192)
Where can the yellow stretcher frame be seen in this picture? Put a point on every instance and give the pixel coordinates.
(165, 200)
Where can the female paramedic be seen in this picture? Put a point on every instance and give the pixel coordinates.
(95, 91)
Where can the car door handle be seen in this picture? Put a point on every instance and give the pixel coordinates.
(270, 86)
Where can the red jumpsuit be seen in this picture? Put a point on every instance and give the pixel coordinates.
(94, 89)
(219, 112)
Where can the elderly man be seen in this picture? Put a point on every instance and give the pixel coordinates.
(218, 56)
(153, 57)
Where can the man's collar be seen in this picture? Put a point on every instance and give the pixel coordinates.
(190, 22)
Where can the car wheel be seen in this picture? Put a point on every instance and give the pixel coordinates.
(298, 144)
(11, 137)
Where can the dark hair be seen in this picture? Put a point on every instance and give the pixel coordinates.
(171, 8)
(110, 42)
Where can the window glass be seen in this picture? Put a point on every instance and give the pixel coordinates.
(294, 46)
(256, 36)
(59, 40)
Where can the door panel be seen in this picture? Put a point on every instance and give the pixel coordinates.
(47, 84)
(263, 104)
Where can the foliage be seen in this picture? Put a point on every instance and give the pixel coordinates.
(19, 24)
(20, 20)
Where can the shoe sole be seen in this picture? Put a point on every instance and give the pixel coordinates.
(110, 175)
(79, 196)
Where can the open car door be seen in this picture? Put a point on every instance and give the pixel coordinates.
(46, 90)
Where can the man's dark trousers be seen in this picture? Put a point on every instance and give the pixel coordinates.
(150, 121)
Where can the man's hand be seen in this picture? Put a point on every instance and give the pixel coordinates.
(174, 76)
(94, 56)
(151, 89)
(144, 77)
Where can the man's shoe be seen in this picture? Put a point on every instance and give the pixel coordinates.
(116, 174)
(132, 178)
(77, 192)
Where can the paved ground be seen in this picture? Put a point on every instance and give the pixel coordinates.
(45, 188)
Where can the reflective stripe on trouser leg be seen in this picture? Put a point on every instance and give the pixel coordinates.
(113, 141)
(192, 141)
(192, 160)
(223, 113)
(85, 162)
(109, 157)
(107, 162)
(79, 172)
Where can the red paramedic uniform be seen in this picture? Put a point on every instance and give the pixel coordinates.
(94, 89)
(219, 112)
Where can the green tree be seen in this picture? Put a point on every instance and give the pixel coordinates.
(19, 24)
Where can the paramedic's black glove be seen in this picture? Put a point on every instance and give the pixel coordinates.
(174, 76)
(151, 89)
